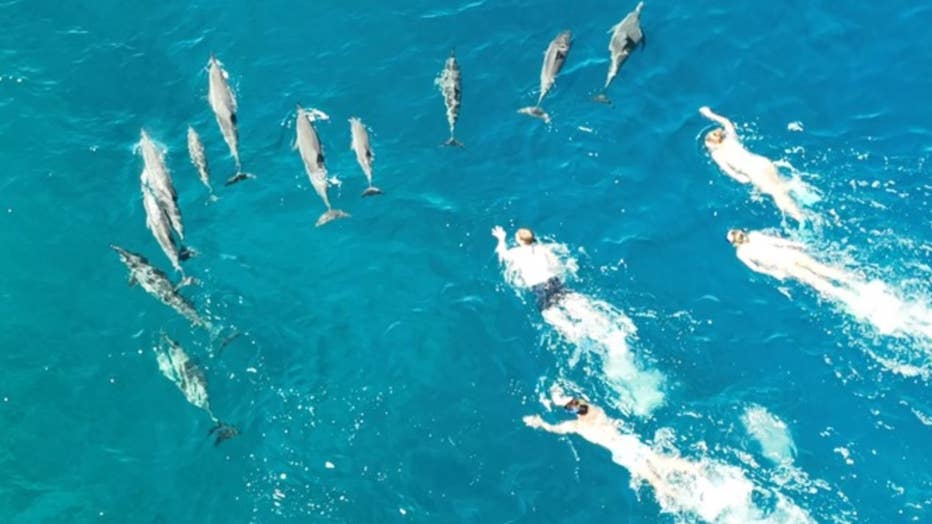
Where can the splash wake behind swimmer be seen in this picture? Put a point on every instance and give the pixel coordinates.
(593, 326)
(688, 489)
(872, 301)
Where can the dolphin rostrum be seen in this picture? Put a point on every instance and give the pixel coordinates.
(364, 155)
(554, 58)
(626, 36)
(156, 176)
(308, 145)
(449, 84)
(199, 159)
(178, 367)
(223, 102)
(157, 284)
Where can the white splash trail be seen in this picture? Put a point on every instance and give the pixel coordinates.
(602, 330)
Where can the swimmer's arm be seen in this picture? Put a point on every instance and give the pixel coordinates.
(501, 249)
(563, 428)
(733, 173)
(722, 121)
(754, 266)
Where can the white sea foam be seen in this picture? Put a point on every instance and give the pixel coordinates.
(771, 433)
(691, 489)
(603, 331)
(598, 329)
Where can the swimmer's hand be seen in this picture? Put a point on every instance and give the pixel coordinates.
(498, 233)
(533, 421)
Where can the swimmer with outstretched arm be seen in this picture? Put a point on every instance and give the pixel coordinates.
(536, 265)
(781, 258)
(746, 167)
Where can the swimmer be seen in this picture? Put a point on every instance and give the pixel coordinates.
(746, 167)
(781, 258)
(594, 425)
(535, 265)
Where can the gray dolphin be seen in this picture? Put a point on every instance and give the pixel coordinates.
(157, 284)
(155, 175)
(312, 155)
(223, 103)
(626, 36)
(157, 223)
(179, 368)
(364, 155)
(449, 84)
(199, 159)
(554, 58)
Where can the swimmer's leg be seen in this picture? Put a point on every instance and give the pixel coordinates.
(788, 205)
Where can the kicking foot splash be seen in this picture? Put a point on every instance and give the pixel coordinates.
(870, 301)
(690, 490)
(593, 326)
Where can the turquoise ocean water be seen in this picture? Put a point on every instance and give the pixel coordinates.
(384, 364)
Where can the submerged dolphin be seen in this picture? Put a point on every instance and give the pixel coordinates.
(364, 155)
(157, 284)
(449, 83)
(178, 367)
(554, 58)
(199, 159)
(312, 155)
(223, 103)
(626, 36)
(155, 175)
(158, 224)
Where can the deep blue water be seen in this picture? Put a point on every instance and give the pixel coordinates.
(388, 345)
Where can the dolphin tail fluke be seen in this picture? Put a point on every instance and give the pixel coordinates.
(330, 216)
(372, 191)
(221, 431)
(453, 142)
(536, 112)
(187, 253)
(211, 199)
(239, 177)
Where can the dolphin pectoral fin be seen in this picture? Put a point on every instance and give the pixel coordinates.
(132, 281)
(238, 177)
(372, 191)
(187, 281)
(330, 216)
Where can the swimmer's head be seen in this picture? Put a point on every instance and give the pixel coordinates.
(737, 237)
(525, 236)
(714, 138)
(577, 406)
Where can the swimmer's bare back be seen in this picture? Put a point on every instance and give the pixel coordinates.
(736, 161)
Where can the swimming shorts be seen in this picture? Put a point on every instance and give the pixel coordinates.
(548, 293)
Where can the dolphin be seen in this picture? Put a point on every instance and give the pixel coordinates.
(554, 58)
(157, 284)
(308, 145)
(449, 84)
(626, 36)
(364, 155)
(179, 368)
(158, 224)
(223, 102)
(199, 159)
(155, 175)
